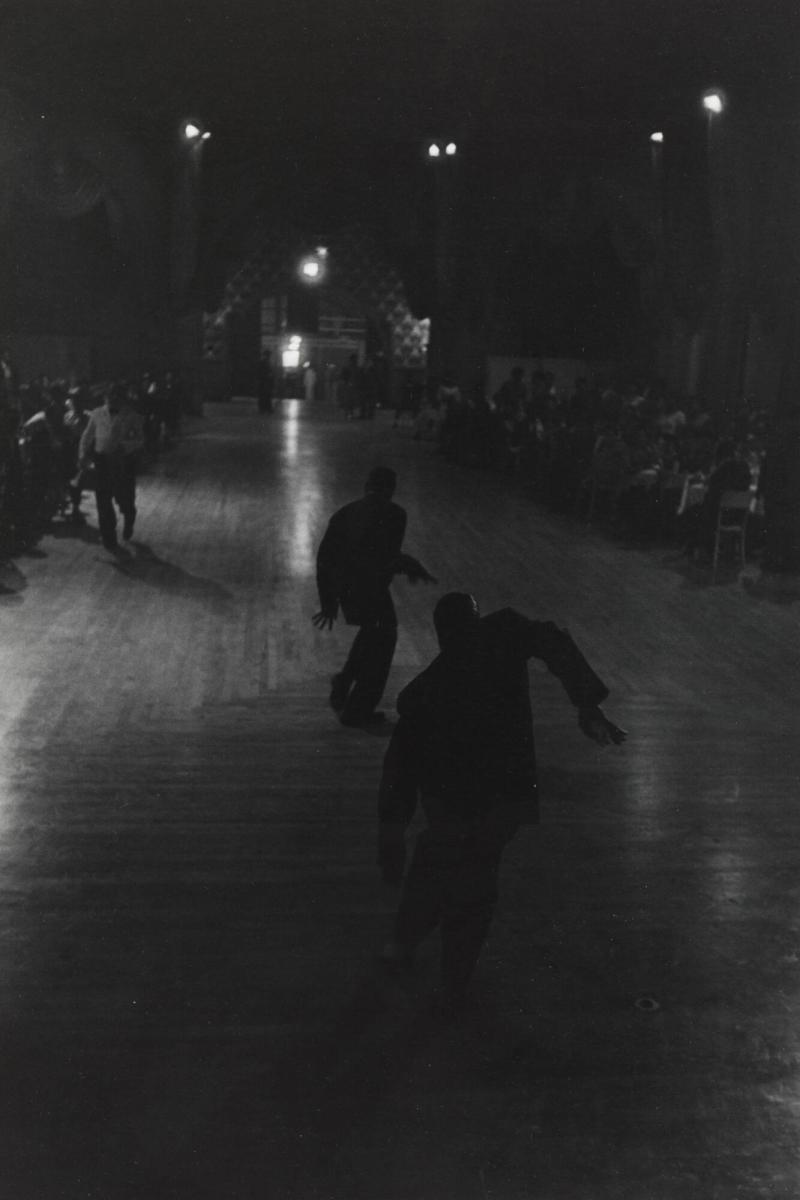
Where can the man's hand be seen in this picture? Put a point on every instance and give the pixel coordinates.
(324, 619)
(413, 570)
(596, 725)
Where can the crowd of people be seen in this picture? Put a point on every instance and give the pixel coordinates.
(647, 460)
(628, 452)
(47, 465)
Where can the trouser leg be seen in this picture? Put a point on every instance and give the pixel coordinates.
(451, 882)
(421, 898)
(343, 680)
(125, 495)
(467, 911)
(370, 661)
(104, 498)
(350, 669)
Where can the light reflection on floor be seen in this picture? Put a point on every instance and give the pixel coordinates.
(291, 429)
(305, 486)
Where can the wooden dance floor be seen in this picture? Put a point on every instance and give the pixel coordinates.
(190, 1006)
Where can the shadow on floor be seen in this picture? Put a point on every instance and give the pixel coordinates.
(144, 565)
(12, 583)
(80, 531)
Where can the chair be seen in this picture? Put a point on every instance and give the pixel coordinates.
(734, 510)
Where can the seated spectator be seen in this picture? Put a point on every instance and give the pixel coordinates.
(634, 398)
(731, 473)
(698, 414)
(611, 459)
(670, 418)
(644, 449)
(640, 498)
(610, 472)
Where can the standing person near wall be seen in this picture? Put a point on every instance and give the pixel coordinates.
(309, 382)
(358, 557)
(112, 440)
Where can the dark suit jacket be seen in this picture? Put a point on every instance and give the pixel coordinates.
(359, 555)
(464, 741)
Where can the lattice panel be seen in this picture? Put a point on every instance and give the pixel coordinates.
(357, 267)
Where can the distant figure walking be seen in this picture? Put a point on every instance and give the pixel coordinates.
(464, 747)
(309, 382)
(358, 557)
(349, 386)
(266, 383)
(112, 440)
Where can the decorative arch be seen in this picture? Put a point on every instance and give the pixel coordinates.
(357, 267)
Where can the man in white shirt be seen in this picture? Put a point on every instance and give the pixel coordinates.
(112, 440)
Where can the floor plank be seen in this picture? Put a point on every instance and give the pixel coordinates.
(189, 907)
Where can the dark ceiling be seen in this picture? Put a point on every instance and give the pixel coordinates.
(357, 72)
(319, 108)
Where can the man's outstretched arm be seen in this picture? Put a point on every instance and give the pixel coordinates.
(557, 650)
(413, 569)
(596, 725)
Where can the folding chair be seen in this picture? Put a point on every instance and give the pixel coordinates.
(734, 510)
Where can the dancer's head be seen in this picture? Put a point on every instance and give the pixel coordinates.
(381, 481)
(455, 619)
